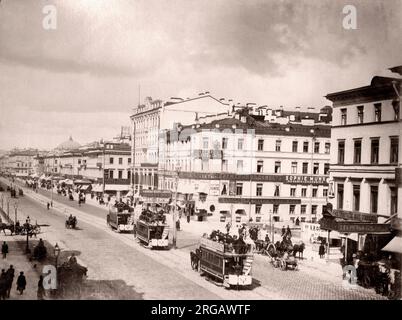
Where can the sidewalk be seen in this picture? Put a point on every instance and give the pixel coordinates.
(17, 258)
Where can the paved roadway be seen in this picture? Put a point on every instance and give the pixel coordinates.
(166, 274)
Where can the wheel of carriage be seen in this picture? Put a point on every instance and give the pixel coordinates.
(283, 265)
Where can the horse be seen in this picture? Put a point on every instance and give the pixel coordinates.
(5, 226)
(299, 248)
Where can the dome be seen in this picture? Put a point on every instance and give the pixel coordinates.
(70, 144)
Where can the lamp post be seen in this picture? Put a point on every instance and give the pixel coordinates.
(174, 209)
(56, 254)
(15, 212)
(27, 250)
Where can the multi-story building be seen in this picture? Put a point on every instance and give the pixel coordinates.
(242, 168)
(106, 163)
(365, 153)
(20, 162)
(152, 118)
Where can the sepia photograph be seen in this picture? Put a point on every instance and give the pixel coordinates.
(220, 150)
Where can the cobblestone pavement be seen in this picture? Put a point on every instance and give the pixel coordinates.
(310, 282)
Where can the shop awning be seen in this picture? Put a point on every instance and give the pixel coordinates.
(116, 187)
(97, 188)
(84, 187)
(395, 245)
(241, 211)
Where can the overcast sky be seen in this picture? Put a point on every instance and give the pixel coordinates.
(82, 78)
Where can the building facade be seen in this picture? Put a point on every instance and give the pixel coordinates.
(152, 119)
(239, 168)
(365, 163)
(365, 148)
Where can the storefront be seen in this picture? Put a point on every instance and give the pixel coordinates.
(360, 232)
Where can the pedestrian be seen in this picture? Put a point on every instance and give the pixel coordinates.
(21, 283)
(41, 289)
(48, 206)
(228, 227)
(288, 232)
(3, 285)
(4, 250)
(10, 279)
(283, 231)
(321, 250)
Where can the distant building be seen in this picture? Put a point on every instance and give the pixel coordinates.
(19, 162)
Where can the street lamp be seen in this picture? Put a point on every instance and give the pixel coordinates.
(15, 212)
(27, 250)
(57, 253)
(174, 209)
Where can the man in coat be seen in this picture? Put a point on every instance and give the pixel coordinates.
(10, 279)
(4, 250)
(21, 283)
(3, 285)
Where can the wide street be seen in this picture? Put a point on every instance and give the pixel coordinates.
(120, 268)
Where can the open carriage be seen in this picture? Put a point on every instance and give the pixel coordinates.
(226, 264)
(70, 279)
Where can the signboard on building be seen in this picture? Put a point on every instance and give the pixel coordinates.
(290, 179)
(258, 200)
(354, 215)
(214, 186)
(156, 194)
(304, 179)
(354, 227)
(232, 188)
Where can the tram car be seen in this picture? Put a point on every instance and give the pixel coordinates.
(120, 220)
(224, 264)
(152, 230)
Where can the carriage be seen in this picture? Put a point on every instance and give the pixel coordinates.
(120, 218)
(71, 223)
(224, 264)
(70, 279)
(152, 230)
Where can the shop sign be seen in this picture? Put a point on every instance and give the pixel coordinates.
(232, 188)
(354, 215)
(298, 179)
(156, 194)
(214, 188)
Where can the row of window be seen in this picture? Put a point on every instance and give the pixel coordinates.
(120, 160)
(278, 145)
(277, 191)
(277, 167)
(292, 209)
(377, 113)
(22, 165)
(374, 150)
(373, 198)
(109, 174)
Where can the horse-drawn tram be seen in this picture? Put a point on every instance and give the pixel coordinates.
(120, 218)
(226, 264)
(152, 230)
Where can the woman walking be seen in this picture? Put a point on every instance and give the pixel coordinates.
(41, 290)
(21, 283)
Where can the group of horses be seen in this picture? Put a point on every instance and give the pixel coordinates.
(30, 229)
(280, 247)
